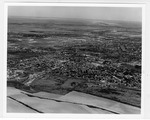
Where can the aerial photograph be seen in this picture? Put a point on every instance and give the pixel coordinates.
(74, 59)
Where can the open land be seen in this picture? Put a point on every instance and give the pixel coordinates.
(58, 56)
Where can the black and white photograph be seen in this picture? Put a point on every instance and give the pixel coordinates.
(74, 59)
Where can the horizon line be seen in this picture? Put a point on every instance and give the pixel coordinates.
(72, 18)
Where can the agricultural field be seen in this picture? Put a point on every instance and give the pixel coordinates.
(101, 58)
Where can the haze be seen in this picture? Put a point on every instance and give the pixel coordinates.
(98, 13)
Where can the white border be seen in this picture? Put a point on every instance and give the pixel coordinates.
(85, 116)
(75, 4)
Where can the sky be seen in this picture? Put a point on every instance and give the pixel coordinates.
(97, 13)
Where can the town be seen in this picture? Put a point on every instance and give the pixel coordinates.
(100, 59)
